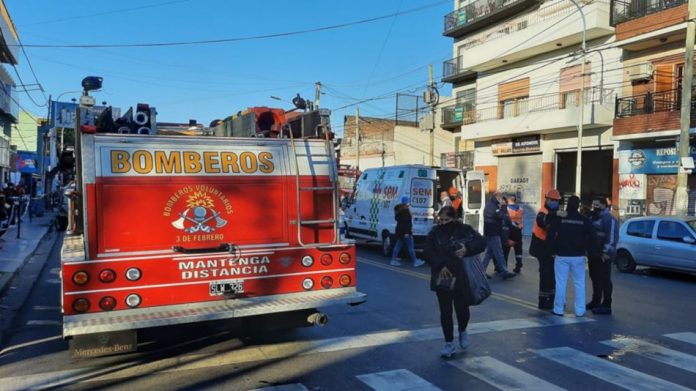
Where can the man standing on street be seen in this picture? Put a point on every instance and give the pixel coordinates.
(570, 234)
(541, 250)
(515, 212)
(602, 256)
(404, 233)
(494, 215)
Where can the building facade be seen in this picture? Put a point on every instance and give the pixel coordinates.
(517, 78)
(647, 113)
(9, 54)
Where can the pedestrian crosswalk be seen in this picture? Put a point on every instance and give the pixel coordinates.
(502, 374)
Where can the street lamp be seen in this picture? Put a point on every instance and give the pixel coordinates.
(578, 167)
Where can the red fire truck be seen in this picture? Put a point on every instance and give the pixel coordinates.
(176, 229)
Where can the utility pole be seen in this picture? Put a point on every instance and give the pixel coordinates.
(432, 97)
(581, 115)
(357, 139)
(317, 95)
(682, 196)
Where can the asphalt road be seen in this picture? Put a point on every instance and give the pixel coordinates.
(391, 342)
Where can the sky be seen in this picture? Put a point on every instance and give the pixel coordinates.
(210, 81)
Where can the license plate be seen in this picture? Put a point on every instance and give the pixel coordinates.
(219, 288)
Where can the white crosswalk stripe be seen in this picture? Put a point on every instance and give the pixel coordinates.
(607, 371)
(398, 380)
(501, 375)
(687, 337)
(659, 353)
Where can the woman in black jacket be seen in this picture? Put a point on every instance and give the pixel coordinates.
(445, 247)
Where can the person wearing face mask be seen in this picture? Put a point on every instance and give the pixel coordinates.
(446, 245)
(495, 229)
(601, 256)
(541, 249)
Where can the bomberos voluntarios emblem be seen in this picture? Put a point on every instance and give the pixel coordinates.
(198, 209)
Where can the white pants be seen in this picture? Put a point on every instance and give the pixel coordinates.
(565, 266)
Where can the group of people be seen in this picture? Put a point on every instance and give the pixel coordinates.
(8, 215)
(562, 241)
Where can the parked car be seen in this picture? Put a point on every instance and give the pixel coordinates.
(663, 242)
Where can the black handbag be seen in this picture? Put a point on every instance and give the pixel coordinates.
(445, 280)
(479, 288)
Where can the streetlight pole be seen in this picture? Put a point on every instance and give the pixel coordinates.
(581, 115)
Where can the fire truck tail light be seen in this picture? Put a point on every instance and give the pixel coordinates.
(133, 274)
(107, 303)
(344, 258)
(307, 261)
(308, 284)
(326, 259)
(344, 280)
(80, 305)
(80, 278)
(133, 300)
(326, 282)
(107, 275)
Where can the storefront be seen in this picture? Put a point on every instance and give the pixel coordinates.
(519, 173)
(648, 181)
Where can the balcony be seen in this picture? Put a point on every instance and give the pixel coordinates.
(452, 72)
(556, 23)
(457, 115)
(535, 115)
(483, 13)
(652, 112)
(636, 17)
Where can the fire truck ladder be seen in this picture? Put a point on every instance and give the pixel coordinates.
(326, 158)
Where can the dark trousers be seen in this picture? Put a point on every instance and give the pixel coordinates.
(447, 300)
(518, 254)
(600, 274)
(547, 283)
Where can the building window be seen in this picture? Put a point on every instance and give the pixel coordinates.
(514, 107)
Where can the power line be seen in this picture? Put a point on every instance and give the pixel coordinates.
(381, 50)
(20, 77)
(248, 38)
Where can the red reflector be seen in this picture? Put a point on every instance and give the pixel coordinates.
(80, 278)
(326, 282)
(107, 303)
(107, 275)
(80, 305)
(326, 259)
(344, 280)
(344, 258)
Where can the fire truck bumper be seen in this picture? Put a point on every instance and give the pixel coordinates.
(199, 312)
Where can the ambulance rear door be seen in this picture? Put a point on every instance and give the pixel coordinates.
(474, 199)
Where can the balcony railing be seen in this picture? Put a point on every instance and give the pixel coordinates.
(624, 11)
(467, 18)
(457, 115)
(650, 103)
(452, 71)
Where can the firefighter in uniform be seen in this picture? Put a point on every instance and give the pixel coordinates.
(541, 249)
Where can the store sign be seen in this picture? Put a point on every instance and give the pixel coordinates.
(650, 160)
(632, 186)
(63, 114)
(517, 145)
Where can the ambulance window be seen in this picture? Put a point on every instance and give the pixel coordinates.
(473, 189)
(401, 174)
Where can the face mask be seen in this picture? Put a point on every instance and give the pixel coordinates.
(552, 204)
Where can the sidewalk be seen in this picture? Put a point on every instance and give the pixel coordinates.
(15, 252)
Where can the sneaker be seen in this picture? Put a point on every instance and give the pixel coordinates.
(448, 351)
(394, 262)
(601, 310)
(508, 275)
(557, 314)
(418, 263)
(463, 339)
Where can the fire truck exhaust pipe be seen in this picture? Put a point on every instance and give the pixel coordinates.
(318, 319)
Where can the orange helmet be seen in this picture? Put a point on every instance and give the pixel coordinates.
(553, 194)
(452, 191)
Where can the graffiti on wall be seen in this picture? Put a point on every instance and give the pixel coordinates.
(661, 190)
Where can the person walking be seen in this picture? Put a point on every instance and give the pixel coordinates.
(404, 233)
(601, 256)
(446, 245)
(494, 216)
(541, 249)
(570, 235)
(516, 214)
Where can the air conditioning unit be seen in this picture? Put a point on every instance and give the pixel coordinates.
(640, 71)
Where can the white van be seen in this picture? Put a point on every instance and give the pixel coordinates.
(370, 215)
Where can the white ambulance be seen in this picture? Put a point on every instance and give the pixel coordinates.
(370, 215)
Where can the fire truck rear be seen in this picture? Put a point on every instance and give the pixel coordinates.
(174, 229)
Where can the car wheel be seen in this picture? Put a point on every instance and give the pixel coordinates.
(387, 244)
(625, 262)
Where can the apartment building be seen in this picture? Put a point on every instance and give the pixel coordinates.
(651, 34)
(9, 111)
(516, 77)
